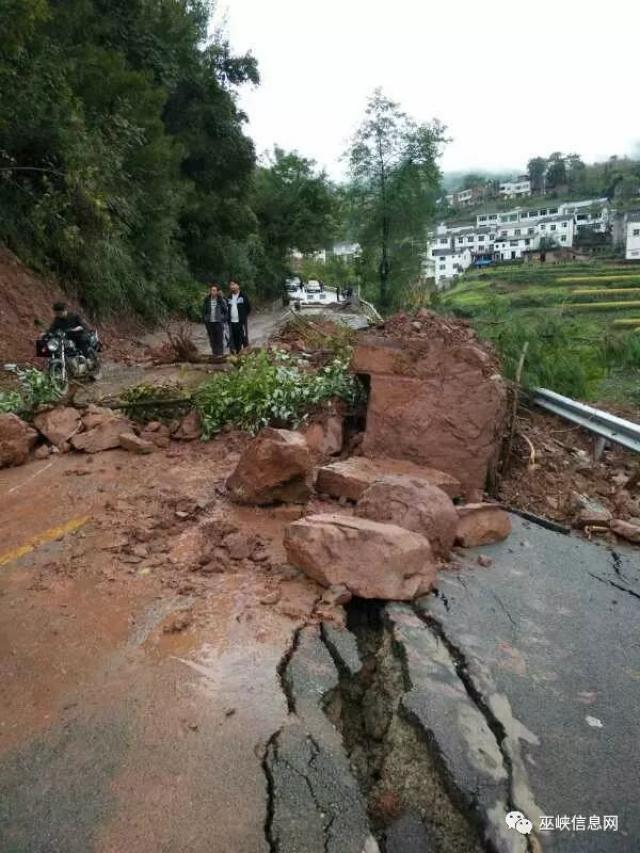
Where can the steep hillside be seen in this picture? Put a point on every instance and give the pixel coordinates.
(25, 311)
(25, 307)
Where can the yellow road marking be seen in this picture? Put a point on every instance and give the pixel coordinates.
(42, 538)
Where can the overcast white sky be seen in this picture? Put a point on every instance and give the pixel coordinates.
(509, 78)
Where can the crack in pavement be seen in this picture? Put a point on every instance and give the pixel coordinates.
(494, 724)
(310, 792)
(616, 559)
(283, 664)
(271, 746)
(504, 610)
(615, 585)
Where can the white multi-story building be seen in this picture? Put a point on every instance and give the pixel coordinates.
(507, 235)
(468, 197)
(632, 252)
(517, 188)
(449, 263)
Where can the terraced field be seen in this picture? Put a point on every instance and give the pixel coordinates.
(582, 322)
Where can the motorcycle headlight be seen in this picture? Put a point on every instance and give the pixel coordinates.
(52, 346)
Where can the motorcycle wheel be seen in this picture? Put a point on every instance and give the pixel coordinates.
(58, 378)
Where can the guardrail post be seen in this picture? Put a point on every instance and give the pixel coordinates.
(598, 448)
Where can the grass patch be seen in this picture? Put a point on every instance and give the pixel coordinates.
(605, 291)
(578, 338)
(622, 305)
(627, 321)
(635, 277)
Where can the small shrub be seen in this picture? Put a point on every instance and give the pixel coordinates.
(145, 403)
(35, 390)
(621, 350)
(271, 389)
(182, 343)
(11, 402)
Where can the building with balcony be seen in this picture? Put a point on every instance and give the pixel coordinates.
(517, 188)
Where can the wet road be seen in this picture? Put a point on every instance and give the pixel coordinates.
(519, 681)
(546, 644)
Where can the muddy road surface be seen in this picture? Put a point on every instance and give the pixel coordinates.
(170, 683)
(171, 687)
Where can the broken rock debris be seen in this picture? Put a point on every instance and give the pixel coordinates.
(15, 441)
(58, 425)
(349, 478)
(481, 524)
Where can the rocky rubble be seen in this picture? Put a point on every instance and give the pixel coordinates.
(481, 524)
(349, 478)
(103, 428)
(325, 436)
(58, 425)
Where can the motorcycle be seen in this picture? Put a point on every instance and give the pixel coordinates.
(66, 362)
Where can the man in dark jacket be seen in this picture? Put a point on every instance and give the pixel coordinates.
(214, 316)
(239, 310)
(72, 325)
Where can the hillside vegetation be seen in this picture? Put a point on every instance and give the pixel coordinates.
(125, 168)
(581, 321)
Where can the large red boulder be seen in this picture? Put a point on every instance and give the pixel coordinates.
(349, 478)
(15, 441)
(481, 524)
(436, 396)
(58, 425)
(370, 559)
(415, 505)
(275, 467)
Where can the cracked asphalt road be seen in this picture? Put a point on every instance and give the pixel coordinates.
(522, 681)
(547, 640)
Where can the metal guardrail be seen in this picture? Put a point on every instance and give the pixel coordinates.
(608, 426)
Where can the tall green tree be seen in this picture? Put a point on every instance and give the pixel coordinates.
(295, 206)
(395, 182)
(576, 173)
(536, 169)
(124, 165)
(556, 170)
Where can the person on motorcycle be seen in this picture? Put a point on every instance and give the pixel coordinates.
(72, 325)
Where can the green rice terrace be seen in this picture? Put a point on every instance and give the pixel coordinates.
(581, 321)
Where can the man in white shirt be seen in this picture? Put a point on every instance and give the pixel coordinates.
(239, 310)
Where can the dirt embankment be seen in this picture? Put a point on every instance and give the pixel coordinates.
(553, 474)
(25, 312)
